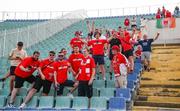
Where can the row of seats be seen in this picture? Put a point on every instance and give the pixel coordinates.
(62, 102)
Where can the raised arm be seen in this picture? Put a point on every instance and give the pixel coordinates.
(157, 35)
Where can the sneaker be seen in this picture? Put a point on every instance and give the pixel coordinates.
(10, 105)
(23, 105)
(70, 95)
(104, 78)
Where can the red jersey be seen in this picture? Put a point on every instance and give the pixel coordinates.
(77, 42)
(27, 63)
(48, 71)
(98, 46)
(117, 60)
(75, 61)
(125, 42)
(138, 53)
(61, 68)
(86, 69)
(158, 16)
(168, 14)
(126, 22)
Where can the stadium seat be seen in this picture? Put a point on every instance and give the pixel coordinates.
(2, 102)
(124, 92)
(63, 102)
(107, 92)
(32, 103)
(99, 84)
(110, 84)
(95, 92)
(46, 102)
(80, 103)
(98, 103)
(4, 92)
(117, 103)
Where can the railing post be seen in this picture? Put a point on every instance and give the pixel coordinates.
(98, 12)
(4, 43)
(149, 9)
(123, 11)
(50, 15)
(39, 15)
(27, 15)
(136, 11)
(15, 15)
(110, 11)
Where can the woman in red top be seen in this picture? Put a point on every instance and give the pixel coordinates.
(86, 75)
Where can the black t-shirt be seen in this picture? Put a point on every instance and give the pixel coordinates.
(146, 44)
(114, 41)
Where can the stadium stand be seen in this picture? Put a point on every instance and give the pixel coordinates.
(105, 96)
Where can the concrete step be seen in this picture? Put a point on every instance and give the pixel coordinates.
(148, 108)
(157, 104)
(159, 91)
(158, 99)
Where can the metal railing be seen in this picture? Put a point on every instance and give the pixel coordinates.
(35, 33)
(90, 13)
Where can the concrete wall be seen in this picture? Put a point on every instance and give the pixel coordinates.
(167, 35)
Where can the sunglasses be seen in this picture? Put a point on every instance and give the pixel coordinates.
(51, 55)
(60, 55)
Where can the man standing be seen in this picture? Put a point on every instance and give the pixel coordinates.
(44, 79)
(16, 56)
(86, 75)
(23, 72)
(146, 46)
(99, 46)
(120, 66)
(62, 67)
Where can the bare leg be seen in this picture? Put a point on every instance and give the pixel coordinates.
(13, 95)
(12, 79)
(75, 87)
(30, 95)
(131, 60)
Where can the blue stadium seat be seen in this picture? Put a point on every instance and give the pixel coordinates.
(46, 102)
(63, 102)
(124, 92)
(117, 103)
(78, 104)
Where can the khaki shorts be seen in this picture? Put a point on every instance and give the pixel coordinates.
(146, 56)
(121, 81)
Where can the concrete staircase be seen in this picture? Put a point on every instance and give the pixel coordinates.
(160, 88)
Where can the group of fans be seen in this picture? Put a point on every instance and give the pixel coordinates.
(86, 60)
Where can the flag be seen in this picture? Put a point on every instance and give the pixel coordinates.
(166, 23)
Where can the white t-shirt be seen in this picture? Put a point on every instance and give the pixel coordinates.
(17, 53)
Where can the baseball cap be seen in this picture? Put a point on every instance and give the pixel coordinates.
(115, 47)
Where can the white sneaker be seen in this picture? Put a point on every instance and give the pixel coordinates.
(23, 105)
(70, 95)
(104, 78)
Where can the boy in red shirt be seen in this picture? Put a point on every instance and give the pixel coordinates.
(126, 22)
(86, 75)
(98, 47)
(77, 41)
(62, 67)
(23, 73)
(120, 66)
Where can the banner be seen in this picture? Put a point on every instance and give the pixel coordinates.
(166, 23)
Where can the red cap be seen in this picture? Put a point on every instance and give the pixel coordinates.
(115, 47)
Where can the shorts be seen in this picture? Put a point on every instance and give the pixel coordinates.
(132, 26)
(20, 81)
(12, 70)
(99, 59)
(84, 89)
(128, 53)
(46, 84)
(121, 81)
(146, 56)
(60, 88)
